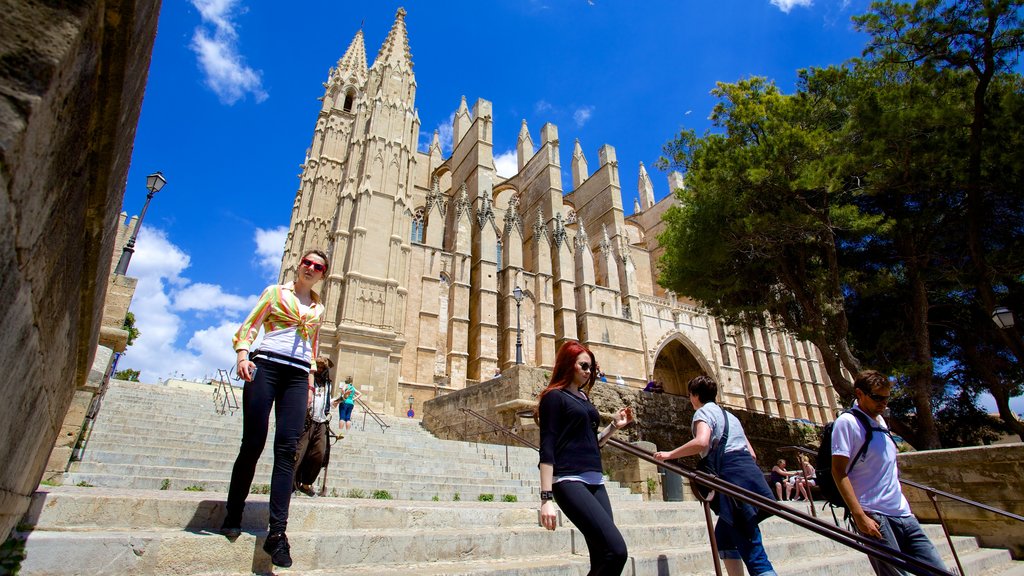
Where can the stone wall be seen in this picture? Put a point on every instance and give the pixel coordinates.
(992, 475)
(662, 420)
(71, 89)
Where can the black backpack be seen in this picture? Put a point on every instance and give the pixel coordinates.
(823, 464)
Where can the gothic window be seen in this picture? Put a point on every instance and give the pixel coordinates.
(497, 249)
(350, 97)
(571, 217)
(417, 227)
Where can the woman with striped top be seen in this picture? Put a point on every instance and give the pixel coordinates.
(276, 373)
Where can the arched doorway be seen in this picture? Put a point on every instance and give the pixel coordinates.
(676, 365)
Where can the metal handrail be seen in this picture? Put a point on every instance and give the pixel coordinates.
(874, 548)
(498, 428)
(224, 398)
(935, 491)
(870, 546)
(367, 410)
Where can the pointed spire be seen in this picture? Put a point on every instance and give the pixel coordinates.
(580, 172)
(435, 142)
(461, 123)
(524, 146)
(512, 218)
(462, 202)
(395, 50)
(636, 206)
(581, 235)
(539, 229)
(354, 60)
(486, 212)
(606, 243)
(559, 235)
(645, 188)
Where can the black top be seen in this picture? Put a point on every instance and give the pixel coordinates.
(568, 434)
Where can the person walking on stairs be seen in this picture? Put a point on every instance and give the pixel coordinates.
(718, 435)
(570, 458)
(347, 399)
(276, 375)
(313, 448)
(870, 486)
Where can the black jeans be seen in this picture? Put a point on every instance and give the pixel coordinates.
(285, 389)
(587, 506)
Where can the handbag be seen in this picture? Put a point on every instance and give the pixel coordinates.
(709, 464)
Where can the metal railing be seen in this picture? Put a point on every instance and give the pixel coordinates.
(376, 417)
(873, 548)
(933, 494)
(498, 429)
(224, 398)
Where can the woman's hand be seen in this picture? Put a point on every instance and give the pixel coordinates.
(623, 418)
(245, 369)
(661, 456)
(548, 516)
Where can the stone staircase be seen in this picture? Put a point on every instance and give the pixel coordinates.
(154, 437)
(127, 525)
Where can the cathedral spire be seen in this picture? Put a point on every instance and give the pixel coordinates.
(524, 146)
(579, 165)
(353, 63)
(645, 188)
(395, 50)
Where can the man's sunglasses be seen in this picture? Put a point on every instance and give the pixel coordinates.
(314, 265)
(876, 397)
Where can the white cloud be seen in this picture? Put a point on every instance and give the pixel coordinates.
(582, 115)
(446, 133)
(787, 5)
(226, 71)
(169, 309)
(506, 164)
(542, 106)
(205, 297)
(270, 250)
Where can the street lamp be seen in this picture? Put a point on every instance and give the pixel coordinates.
(154, 182)
(1003, 317)
(411, 400)
(518, 295)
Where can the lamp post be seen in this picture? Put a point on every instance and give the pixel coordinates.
(154, 182)
(411, 400)
(518, 295)
(1003, 317)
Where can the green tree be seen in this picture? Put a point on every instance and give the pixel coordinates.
(129, 325)
(127, 374)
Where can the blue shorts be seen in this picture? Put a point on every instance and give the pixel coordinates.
(345, 411)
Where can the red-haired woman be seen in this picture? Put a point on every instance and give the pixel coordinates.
(277, 375)
(570, 458)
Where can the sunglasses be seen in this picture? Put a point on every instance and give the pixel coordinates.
(876, 397)
(314, 265)
(585, 366)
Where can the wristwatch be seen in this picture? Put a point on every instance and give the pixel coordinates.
(546, 495)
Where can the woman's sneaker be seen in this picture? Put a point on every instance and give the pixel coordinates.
(277, 547)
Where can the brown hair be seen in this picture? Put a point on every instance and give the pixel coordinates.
(868, 380)
(321, 254)
(703, 387)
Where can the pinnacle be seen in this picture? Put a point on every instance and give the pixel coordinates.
(354, 60)
(395, 49)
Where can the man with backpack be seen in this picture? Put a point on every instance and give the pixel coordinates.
(867, 477)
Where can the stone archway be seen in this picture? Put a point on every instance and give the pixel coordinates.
(676, 364)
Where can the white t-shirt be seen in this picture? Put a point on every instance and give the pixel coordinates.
(875, 477)
(711, 414)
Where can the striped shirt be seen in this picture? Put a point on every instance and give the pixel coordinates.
(279, 309)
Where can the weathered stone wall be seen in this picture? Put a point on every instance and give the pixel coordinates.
(663, 420)
(71, 89)
(992, 475)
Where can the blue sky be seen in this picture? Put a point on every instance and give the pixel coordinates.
(232, 100)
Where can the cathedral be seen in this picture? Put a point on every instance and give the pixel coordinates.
(443, 273)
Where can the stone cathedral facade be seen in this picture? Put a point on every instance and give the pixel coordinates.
(426, 252)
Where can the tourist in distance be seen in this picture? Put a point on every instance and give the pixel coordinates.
(736, 531)
(805, 481)
(779, 480)
(313, 449)
(570, 458)
(347, 399)
(871, 489)
(278, 372)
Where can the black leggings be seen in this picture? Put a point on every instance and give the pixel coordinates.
(285, 389)
(588, 508)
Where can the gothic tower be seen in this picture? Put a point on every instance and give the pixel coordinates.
(354, 203)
